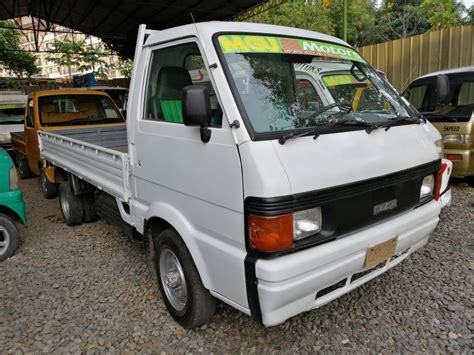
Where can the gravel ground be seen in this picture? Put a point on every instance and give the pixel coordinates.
(87, 289)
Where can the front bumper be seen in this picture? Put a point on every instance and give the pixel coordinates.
(289, 285)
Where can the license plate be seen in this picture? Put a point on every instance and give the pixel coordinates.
(380, 252)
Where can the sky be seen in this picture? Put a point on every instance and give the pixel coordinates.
(467, 3)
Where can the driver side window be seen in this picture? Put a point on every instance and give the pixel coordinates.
(172, 69)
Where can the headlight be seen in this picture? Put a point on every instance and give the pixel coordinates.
(457, 139)
(306, 223)
(276, 233)
(5, 138)
(440, 147)
(427, 186)
(13, 179)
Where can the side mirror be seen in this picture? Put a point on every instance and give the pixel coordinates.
(442, 89)
(197, 109)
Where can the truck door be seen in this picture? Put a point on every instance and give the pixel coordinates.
(31, 138)
(173, 169)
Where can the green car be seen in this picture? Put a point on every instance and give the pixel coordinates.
(12, 206)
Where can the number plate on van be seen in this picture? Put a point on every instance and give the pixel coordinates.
(380, 252)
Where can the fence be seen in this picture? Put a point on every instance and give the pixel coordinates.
(406, 59)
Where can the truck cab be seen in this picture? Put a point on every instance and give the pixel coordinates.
(243, 194)
(454, 119)
(52, 110)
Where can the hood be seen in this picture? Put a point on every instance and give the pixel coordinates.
(342, 158)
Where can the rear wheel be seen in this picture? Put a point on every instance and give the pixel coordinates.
(50, 190)
(23, 168)
(72, 207)
(185, 297)
(90, 213)
(9, 237)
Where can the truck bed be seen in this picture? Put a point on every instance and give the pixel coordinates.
(97, 155)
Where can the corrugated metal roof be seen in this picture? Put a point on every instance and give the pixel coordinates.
(116, 21)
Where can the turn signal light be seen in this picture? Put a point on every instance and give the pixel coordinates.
(439, 181)
(270, 234)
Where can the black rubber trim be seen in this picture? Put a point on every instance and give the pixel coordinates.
(291, 203)
(251, 284)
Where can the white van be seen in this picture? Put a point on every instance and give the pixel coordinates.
(241, 193)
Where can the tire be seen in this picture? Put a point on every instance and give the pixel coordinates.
(90, 213)
(72, 207)
(9, 237)
(23, 168)
(50, 190)
(194, 307)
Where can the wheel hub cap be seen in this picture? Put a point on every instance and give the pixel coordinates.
(172, 279)
(4, 240)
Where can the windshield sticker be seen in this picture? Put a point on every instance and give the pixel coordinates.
(269, 44)
(342, 79)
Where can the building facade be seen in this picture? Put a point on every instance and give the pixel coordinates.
(41, 43)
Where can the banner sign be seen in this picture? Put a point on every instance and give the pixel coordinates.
(271, 44)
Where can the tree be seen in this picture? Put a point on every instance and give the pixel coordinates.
(20, 62)
(360, 23)
(74, 54)
(442, 13)
(400, 19)
(125, 66)
(66, 53)
(469, 19)
(300, 14)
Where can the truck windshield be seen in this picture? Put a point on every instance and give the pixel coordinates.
(70, 110)
(285, 84)
(12, 115)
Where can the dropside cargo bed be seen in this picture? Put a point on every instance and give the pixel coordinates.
(99, 155)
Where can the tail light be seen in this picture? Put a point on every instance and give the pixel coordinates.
(439, 181)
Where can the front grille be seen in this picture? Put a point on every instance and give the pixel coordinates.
(347, 208)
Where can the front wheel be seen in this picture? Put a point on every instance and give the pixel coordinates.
(190, 304)
(9, 237)
(50, 190)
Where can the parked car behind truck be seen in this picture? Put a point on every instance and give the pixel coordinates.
(12, 115)
(53, 110)
(241, 193)
(12, 207)
(454, 119)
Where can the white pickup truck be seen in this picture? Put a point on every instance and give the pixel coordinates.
(241, 193)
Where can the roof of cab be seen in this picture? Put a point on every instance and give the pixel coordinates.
(459, 70)
(66, 92)
(208, 29)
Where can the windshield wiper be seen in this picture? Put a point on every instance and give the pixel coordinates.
(296, 134)
(317, 130)
(395, 121)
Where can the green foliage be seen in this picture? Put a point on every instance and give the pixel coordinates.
(441, 13)
(299, 14)
(368, 22)
(400, 19)
(469, 19)
(125, 66)
(80, 56)
(360, 21)
(21, 63)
